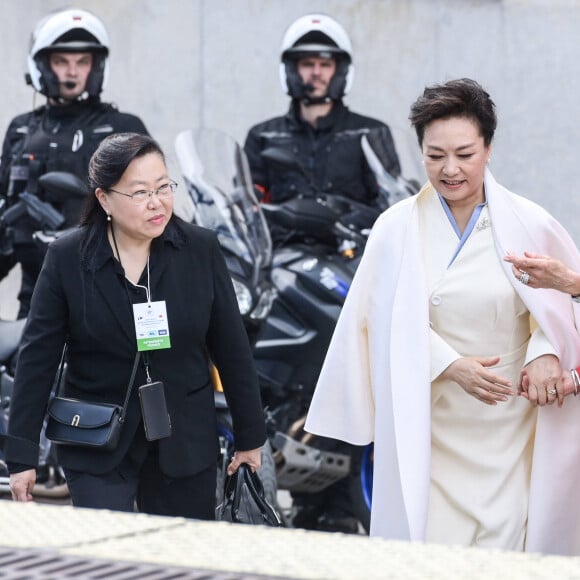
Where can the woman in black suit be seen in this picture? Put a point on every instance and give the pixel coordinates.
(131, 250)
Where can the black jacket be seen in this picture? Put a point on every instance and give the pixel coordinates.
(50, 138)
(81, 293)
(58, 138)
(331, 154)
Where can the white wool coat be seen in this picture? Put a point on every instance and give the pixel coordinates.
(374, 385)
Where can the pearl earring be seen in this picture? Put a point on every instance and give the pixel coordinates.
(109, 217)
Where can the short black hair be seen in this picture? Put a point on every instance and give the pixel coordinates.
(456, 98)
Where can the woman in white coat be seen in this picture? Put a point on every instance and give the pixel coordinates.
(427, 354)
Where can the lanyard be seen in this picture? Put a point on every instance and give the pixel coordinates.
(145, 355)
(146, 288)
(147, 363)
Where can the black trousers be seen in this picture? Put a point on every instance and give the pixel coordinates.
(148, 489)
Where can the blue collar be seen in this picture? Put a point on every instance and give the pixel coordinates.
(470, 225)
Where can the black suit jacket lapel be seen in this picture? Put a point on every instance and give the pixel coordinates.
(157, 263)
(110, 285)
(107, 274)
(161, 253)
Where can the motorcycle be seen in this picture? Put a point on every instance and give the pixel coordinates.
(10, 333)
(312, 272)
(217, 181)
(50, 477)
(50, 481)
(303, 283)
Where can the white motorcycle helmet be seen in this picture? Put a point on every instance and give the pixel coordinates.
(316, 35)
(70, 30)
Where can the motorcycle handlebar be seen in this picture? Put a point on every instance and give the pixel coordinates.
(342, 231)
(320, 215)
(40, 211)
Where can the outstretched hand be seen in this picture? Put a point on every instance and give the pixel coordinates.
(543, 271)
(474, 377)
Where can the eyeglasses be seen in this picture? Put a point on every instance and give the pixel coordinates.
(142, 196)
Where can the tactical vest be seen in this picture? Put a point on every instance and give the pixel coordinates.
(52, 143)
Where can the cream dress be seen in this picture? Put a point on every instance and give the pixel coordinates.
(375, 383)
(481, 454)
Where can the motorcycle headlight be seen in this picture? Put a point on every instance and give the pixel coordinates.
(244, 297)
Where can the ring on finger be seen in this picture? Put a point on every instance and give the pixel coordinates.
(552, 392)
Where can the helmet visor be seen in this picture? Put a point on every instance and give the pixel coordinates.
(76, 40)
(308, 50)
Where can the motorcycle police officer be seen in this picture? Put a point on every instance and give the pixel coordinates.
(68, 63)
(316, 70)
(324, 136)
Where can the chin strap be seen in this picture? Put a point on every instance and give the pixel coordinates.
(84, 96)
(309, 101)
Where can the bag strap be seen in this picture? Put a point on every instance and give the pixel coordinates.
(233, 494)
(61, 369)
(129, 386)
(256, 488)
(254, 485)
(237, 484)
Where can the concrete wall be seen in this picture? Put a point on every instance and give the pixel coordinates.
(184, 63)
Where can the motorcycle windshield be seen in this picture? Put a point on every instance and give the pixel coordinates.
(217, 176)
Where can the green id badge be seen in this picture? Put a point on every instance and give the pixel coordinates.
(151, 325)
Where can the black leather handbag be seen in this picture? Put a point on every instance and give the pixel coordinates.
(244, 501)
(86, 423)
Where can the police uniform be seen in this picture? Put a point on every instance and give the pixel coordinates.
(50, 138)
(331, 153)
